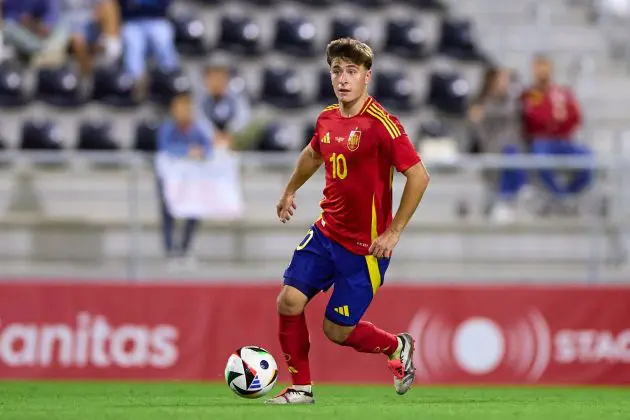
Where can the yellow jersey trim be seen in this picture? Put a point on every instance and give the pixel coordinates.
(378, 113)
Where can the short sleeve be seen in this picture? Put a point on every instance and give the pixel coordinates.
(315, 140)
(403, 153)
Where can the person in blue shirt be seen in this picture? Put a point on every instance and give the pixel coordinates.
(146, 28)
(180, 136)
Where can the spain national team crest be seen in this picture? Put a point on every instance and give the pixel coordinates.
(354, 140)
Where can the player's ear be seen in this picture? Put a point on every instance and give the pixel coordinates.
(368, 76)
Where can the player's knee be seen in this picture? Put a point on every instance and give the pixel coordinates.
(336, 333)
(291, 301)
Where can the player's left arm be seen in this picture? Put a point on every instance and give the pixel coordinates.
(406, 160)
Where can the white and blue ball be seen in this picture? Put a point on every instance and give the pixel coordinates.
(251, 372)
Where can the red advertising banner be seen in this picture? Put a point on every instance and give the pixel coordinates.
(515, 335)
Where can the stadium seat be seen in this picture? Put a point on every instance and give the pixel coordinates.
(190, 35)
(96, 135)
(40, 134)
(318, 3)
(146, 136)
(12, 92)
(60, 86)
(309, 130)
(350, 27)
(295, 36)
(325, 91)
(432, 129)
(113, 87)
(165, 85)
(394, 90)
(406, 38)
(434, 5)
(457, 40)
(370, 3)
(448, 93)
(240, 35)
(274, 138)
(263, 2)
(283, 88)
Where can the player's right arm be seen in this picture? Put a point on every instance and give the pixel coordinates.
(307, 164)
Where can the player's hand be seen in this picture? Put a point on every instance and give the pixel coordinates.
(285, 207)
(383, 246)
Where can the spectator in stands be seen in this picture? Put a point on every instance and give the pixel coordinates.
(551, 117)
(227, 111)
(32, 27)
(181, 137)
(496, 127)
(92, 25)
(146, 28)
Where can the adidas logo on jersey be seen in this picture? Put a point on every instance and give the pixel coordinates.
(326, 138)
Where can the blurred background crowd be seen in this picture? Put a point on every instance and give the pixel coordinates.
(189, 77)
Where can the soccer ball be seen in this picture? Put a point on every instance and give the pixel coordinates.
(251, 372)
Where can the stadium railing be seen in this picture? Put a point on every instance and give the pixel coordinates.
(93, 209)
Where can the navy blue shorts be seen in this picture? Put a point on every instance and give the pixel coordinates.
(319, 263)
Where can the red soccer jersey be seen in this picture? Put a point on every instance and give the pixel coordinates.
(360, 154)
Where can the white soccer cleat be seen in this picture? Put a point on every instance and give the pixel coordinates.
(401, 364)
(292, 396)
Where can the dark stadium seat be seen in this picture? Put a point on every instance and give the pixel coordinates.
(283, 88)
(113, 87)
(370, 3)
(350, 27)
(318, 3)
(165, 85)
(211, 2)
(146, 136)
(273, 138)
(432, 129)
(40, 134)
(240, 34)
(96, 135)
(406, 38)
(394, 90)
(309, 130)
(325, 91)
(448, 93)
(434, 5)
(295, 36)
(60, 86)
(12, 91)
(457, 40)
(190, 35)
(263, 2)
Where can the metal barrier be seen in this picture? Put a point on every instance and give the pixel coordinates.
(93, 215)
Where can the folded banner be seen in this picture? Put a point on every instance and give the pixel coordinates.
(208, 189)
(464, 335)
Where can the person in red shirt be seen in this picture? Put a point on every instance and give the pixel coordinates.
(551, 116)
(350, 245)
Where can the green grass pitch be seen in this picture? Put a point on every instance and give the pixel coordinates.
(173, 401)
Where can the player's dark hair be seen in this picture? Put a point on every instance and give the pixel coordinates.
(351, 50)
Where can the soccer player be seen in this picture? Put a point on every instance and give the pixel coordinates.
(350, 245)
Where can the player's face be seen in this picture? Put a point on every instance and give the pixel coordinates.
(348, 79)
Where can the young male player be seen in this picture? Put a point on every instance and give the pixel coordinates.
(349, 246)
